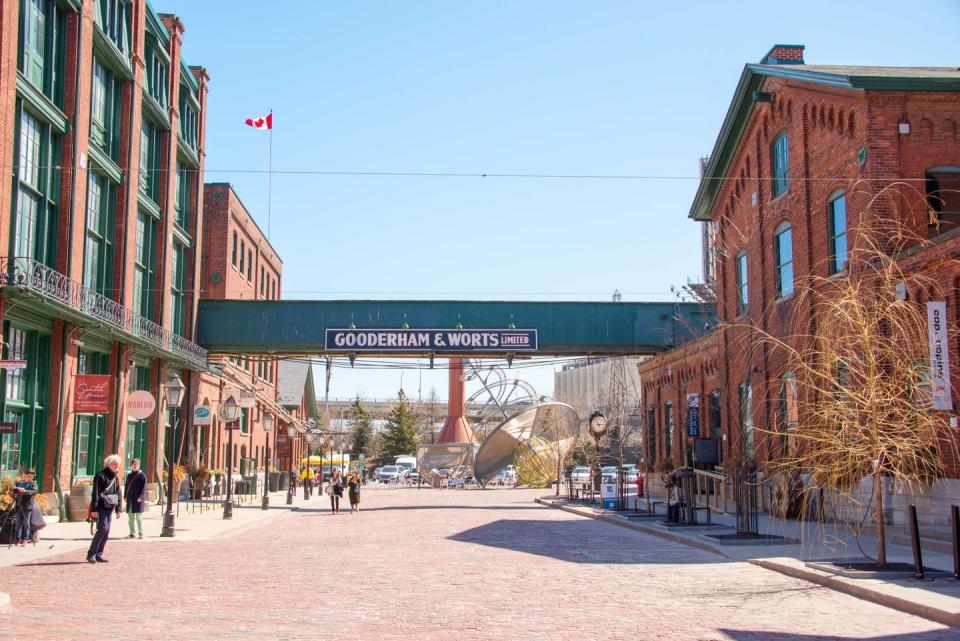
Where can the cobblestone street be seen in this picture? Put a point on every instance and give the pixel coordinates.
(430, 565)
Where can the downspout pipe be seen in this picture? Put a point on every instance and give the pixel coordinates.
(65, 335)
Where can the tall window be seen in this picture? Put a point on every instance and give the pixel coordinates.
(34, 40)
(651, 439)
(716, 429)
(105, 111)
(242, 252)
(184, 193)
(156, 71)
(789, 412)
(745, 393)
(150, 145)
(98, 245)
(780, 164)
(837, 208)
(249, 265)
(188, 118)
(261, 280)
(742, 283)
(144, 261)
(89, 430)
(178, 290)
(783, 246)
(113, 20)
(667, 429)
(35, 231)
(233, 253)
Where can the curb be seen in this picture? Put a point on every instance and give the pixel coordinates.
(907, 606)
(945, 617)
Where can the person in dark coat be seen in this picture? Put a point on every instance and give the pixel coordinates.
(103, 503)
(25, 489)
(135, 494)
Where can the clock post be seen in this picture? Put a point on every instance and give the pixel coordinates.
(597, 424)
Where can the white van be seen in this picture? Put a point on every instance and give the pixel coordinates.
(407, 462)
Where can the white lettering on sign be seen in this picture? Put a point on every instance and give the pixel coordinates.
(939, 356)
(435, 340)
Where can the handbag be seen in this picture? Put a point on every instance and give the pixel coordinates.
(111, 500)
(329, 489)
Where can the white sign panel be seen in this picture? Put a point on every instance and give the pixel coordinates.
(140, 404)
(939, 355)
(202, 415)
(242, 397)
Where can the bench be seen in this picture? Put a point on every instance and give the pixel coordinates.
(654, 504)
(700, 508)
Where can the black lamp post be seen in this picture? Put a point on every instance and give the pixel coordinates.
(291, 432)
(229, 412)
(267, 428)
(174, 390)
(597, 424)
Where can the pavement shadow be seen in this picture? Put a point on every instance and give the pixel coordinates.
(929, 635)
(41, 564)
(580, 541)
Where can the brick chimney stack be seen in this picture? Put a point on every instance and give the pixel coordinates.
(784, 55)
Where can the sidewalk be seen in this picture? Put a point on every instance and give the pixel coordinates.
(936, 598)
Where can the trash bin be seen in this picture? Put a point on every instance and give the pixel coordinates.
(274, 480)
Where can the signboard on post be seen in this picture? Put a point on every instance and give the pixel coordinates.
(140, 405)
(693, 415)
(8, 427)
(13, 364)
(202, 415)
(91, 394)
(431, 340)
(939, 355)
(609, 496)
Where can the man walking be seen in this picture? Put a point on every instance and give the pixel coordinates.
(134, 491)
(104, 502)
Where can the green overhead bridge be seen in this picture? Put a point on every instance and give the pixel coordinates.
(448, 328)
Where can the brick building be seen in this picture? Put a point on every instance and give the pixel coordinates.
(239, 263)
(103, 122)
(803, 151)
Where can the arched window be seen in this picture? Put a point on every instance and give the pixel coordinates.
(783, 251)
(837, 221)
(780, 165)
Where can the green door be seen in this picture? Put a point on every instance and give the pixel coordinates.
(24, 400)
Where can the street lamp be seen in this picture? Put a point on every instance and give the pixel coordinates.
(267, 428)
(229, 412)
(291, 432)
(174, 390)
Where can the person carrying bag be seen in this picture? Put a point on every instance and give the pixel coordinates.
(104, 502)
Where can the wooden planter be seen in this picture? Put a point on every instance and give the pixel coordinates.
(79, 504)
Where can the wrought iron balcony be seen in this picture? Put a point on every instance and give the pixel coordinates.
(31, 275)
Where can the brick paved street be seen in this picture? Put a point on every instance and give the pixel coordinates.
(431, 565)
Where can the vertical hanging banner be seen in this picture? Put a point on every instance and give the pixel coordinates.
(91, 394)
(939, 355)
(693, 415)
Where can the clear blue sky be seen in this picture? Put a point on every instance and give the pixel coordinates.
(544, 87)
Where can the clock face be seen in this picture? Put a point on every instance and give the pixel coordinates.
(598, 425)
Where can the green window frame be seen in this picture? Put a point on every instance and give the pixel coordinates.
(184, 195)
(716, 425)
(156, 70)
(114, 21)
(244, 423)
(98, 244)
(189, 117)
(233, 252)
(144, 264)
(34, 224)
(783, 252)
(668, 430)
(25, 394)
(138, 432)
(742, 293)
(745, 398)
(151, 142)
(780, 165)
(651, 443)
(34, 40)
(837, 220)
(105, 106)
(42, 51)
(178, 289)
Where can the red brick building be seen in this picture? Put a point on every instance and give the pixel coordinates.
(802, 153)
(103, 122)
(239, 263)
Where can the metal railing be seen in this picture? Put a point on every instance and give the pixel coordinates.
(34, 276)
(710, 490)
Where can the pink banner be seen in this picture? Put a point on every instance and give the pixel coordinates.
(91, 394)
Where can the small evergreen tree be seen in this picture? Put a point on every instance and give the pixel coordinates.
(361, 430)
(400, 436)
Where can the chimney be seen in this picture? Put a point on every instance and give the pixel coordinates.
(784, 55)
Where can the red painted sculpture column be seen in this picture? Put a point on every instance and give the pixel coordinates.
(455, 428)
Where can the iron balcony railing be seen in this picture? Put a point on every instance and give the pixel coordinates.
(34, 276)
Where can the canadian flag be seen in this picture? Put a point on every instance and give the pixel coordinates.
(265, 122)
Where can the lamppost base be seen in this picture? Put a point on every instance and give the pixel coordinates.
(265, 504)
(228, 509)
(289, 497)
(306, 493)
(168, 525)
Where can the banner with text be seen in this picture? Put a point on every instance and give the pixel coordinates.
(939, 355)
(693, 415)
(432, 340)
(91, 394)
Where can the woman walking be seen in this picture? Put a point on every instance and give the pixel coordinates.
(104, 502)
(335, 490)
(353, 490)
(26, 489)
(135, 491)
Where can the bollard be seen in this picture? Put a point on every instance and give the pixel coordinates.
(955, 519)
(915, 539)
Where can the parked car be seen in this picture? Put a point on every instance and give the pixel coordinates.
(391, 474)
(608, 474)
(630, 473)
(580, 474)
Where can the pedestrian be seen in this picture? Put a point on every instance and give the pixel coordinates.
(353, 490)
(335, 490)
(26, 489)
(104, 502)
(134, 492)
(307, 476)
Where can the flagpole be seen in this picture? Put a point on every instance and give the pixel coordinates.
(270, 178)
